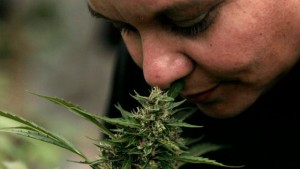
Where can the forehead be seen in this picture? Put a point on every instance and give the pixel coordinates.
(143, 8)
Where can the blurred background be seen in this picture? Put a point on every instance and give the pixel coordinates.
(53, 48)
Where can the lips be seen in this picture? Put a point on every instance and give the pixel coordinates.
(202, 97)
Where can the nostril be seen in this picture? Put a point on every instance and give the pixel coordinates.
(163, 71)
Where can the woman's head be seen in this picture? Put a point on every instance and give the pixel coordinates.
(228, 52)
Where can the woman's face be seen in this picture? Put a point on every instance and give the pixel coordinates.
(228, 52)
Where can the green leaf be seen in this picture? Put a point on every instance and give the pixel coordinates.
(128, 143)
(173, 147)
(57, 100)
(147, 150)
(22, 121)
(202, 160)
(202, 148)
(120, 140)
(141, 99)
(125, 114)
(92, 118)
(106, 144)
(127, 164)
(34, 127)
(183, 124)
(31, 133)
(118, 121)
(175, 89)
(134, 151)
(184, 113)
(176, 104)
(96, 162)
(77, 110)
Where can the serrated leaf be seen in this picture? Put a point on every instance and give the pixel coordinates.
(30, 133)
(23, 121)
(118, 121)
(92, 118)
(114, 121)
(96, 162)
(183, 113)
(202, 148)
(173, 147)
(125, 114)
(202, 160)
(37, 128)
(176, 104)
(77, 110)
(183, 124)
(141, 99)
(57, 100)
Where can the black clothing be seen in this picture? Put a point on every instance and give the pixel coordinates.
(265, 136)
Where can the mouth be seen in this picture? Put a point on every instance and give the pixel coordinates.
(202, 97)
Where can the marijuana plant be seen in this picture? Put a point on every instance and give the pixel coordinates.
(148, 137)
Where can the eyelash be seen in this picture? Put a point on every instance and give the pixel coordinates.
(192, 30)
(195, 29)
(187, 31)
(126, 28)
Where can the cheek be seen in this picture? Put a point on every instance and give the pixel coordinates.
(134, 47)
(224, 56)
(235, 44)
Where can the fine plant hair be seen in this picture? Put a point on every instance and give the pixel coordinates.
(147, 137)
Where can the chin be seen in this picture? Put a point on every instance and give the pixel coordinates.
(221, 112)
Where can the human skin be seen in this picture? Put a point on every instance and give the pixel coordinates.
(243, 49)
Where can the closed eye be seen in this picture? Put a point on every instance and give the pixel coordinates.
(185, 28)
(124, 27)
(193, 29)
(199, 26)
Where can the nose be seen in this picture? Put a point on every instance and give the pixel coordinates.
(164, 60)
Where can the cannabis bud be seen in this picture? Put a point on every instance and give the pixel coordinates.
(148, 137)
